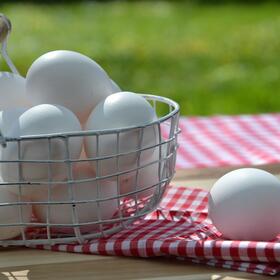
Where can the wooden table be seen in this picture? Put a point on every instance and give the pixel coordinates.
(23, 264)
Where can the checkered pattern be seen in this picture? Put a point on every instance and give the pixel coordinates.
(240, 140)
(180, 228)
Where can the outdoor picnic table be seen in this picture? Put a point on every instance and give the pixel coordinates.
(25, 263)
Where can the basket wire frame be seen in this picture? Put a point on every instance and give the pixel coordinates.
(131, 205)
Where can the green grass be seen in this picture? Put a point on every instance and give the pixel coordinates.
(220, 59)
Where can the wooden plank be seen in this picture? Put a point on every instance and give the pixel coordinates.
(13, 257)
(205, 178)
(103, 268)
(216, 172)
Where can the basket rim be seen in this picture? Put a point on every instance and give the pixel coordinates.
(168, 101)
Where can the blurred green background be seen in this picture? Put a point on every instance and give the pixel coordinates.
(212, 58)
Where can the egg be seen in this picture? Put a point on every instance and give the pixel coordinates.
(9, 118)
(12, 101)
(148, 178)
(121, 110)
(38, 120)
(87, 212)
(115, 87)
(244, 205)
(69, 79)
(12, 91)
(10, 214)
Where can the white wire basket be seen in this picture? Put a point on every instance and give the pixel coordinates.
(137, 181)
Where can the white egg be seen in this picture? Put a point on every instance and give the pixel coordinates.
(9, 118)
(69, 79)
(12, 91)
(147, 181)
(38, 120)
(244, 205)
(121, 110)
(10, 214)
(86, 212)
(115, 87)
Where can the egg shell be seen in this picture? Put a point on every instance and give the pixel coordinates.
(121, 110)
(115, 87)
(86, 212)
(244, 205)
(9, 118)
(147, 181)
(69, 79)
(38, 120)
(12, 91)
(10, 214)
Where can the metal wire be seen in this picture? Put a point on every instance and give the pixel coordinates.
(131, 204)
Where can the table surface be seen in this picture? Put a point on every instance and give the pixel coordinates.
(22, 264)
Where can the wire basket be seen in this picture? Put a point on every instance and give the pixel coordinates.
(101, 202)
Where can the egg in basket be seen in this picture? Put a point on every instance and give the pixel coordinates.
(80, 158)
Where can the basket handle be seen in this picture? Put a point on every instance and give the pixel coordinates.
(5, 30)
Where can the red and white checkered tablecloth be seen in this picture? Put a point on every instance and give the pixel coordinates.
(179, 228)
(239, 140)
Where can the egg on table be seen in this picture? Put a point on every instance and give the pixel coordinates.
(69, 79)
(39, 120)
(87, 211)
(10, 214)
(121, 110)
(244, 205)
